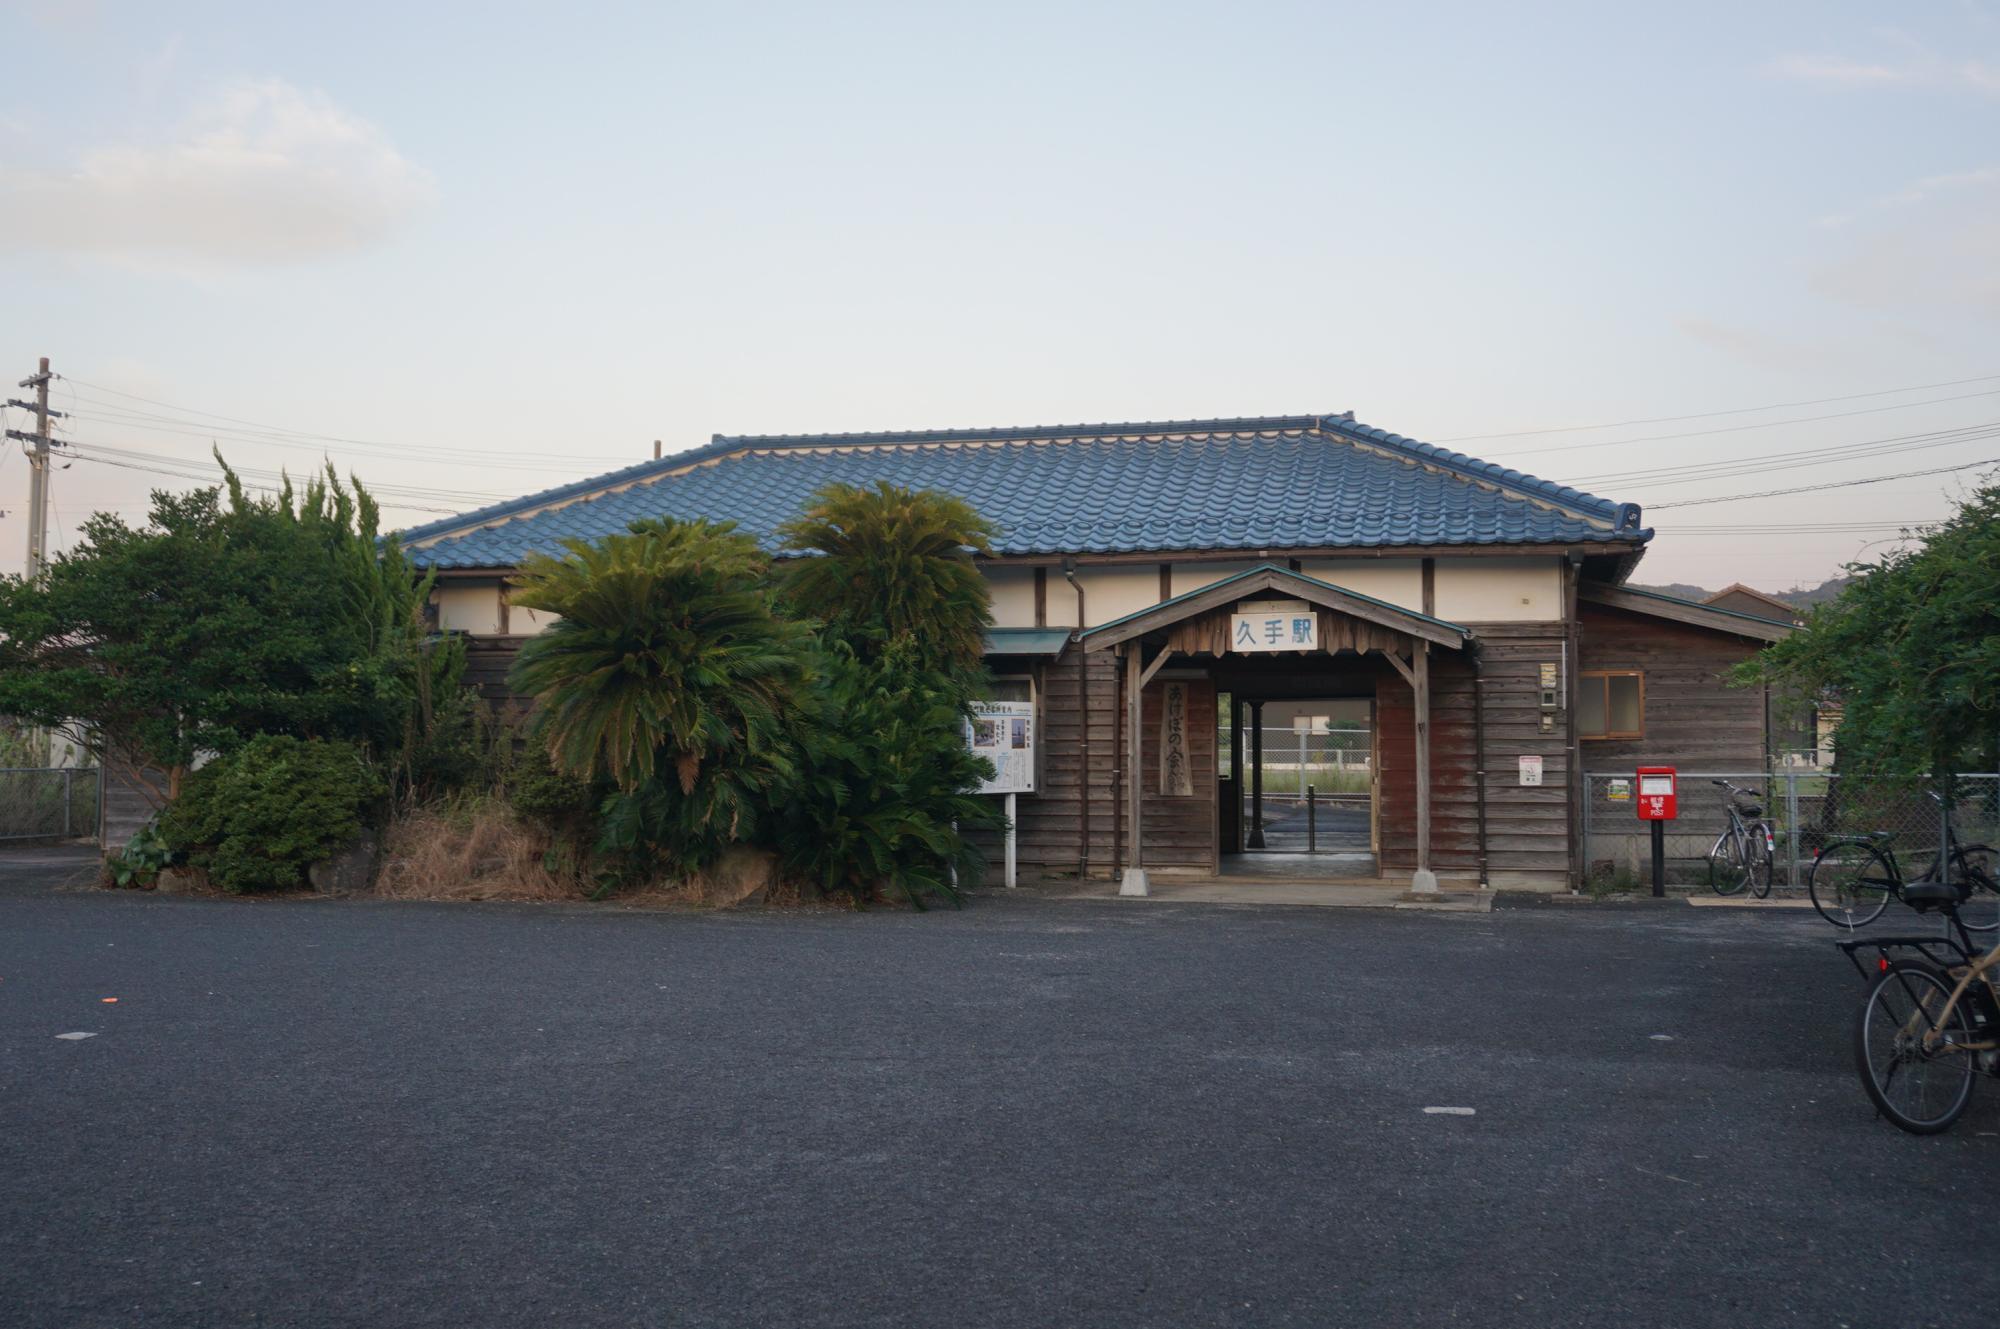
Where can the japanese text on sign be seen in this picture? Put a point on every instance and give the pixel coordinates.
(1003, 732)
(1276, 625)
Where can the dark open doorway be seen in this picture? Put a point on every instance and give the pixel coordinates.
(1300, 787)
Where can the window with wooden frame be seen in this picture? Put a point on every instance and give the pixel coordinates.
(1610, 703)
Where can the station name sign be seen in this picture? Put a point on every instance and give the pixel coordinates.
(1274, 625)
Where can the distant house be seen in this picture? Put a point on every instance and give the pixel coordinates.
(1155, 586)
(1747, 600)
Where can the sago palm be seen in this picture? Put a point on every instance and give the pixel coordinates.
(886, 562)
(666, 657)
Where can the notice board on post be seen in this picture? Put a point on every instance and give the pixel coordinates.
(1003, 732)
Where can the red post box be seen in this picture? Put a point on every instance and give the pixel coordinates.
(1659, 803)
(1658, 798)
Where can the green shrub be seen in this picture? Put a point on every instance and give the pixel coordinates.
(881, 800)
(256, 819)
(667, 676)
(142, 860)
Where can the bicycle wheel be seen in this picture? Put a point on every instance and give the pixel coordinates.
(1920, 1083)
(1728, 864)
(1972, 865)
(1759, 849)
(1850, 883)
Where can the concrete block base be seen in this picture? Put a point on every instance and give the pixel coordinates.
(1134, 882)
(1423, 882)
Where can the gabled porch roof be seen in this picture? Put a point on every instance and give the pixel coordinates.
(1271, 577)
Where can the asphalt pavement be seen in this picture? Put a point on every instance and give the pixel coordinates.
(1029, 1112)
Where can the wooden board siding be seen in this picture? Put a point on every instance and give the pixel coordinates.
(1693, 720)
(1527, 829)
(487, 660)
(1051, 819)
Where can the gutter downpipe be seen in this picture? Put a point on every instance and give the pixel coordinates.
(1082, 727)
(1479, 759)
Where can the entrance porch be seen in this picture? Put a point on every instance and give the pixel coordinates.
(1181, 658)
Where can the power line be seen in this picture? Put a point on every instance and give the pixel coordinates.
(485, 461)
(270, 432)
(317, 443)
(1763, 528)
(1834, 484)
(213, 468)
(1737, 429)
(1710, 415)
(259, 486)
(1756, 463)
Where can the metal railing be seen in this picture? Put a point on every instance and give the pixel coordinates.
(50, 802)
(1807, 808)
(1333, 761)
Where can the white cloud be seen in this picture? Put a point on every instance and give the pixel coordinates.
(265, 174)
(1768, 350)
(1919, 70)
(1834, 70)
(1932, 245)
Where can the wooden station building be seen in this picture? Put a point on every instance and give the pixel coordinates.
(1157, 587)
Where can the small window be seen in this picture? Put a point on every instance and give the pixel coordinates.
(1610, 704)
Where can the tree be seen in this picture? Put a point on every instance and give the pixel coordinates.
(668, 675)
(883, 793)
(1911, 650)
(887, 562)
(218, 621)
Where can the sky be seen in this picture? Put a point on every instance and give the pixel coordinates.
(472, 251)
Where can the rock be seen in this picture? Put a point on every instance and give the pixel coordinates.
(743, 877)
(177, 881)
(350, 870)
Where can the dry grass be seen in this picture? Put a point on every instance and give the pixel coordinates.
(470, 849)
(475, 848)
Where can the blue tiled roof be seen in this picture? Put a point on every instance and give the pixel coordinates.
(1275, 482)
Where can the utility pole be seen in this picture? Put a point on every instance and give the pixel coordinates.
(38, 468)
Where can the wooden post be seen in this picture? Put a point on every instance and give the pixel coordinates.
(1133, 880)
(1424, 879)
(1255, 840)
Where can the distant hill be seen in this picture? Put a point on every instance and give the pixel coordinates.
(1799, 596)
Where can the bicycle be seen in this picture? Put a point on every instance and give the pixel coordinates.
(1743, 854)
(1853, 878)
(1928, 1024)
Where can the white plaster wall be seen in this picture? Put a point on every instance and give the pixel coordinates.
(1492, 590)
(469, 607)
(1194, 576)
(1400, 581)
(525, 622)
(1013, 593)
(1113, 592)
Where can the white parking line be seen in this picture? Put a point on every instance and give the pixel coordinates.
(1451, 1111)
(73, 1037)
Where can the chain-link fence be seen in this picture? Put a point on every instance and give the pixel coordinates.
(55, 803)
(1806, 808)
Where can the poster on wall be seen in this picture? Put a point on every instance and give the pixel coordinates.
(1003, 732)
(1176, 780)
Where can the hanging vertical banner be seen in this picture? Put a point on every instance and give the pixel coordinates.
(1176, 779)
